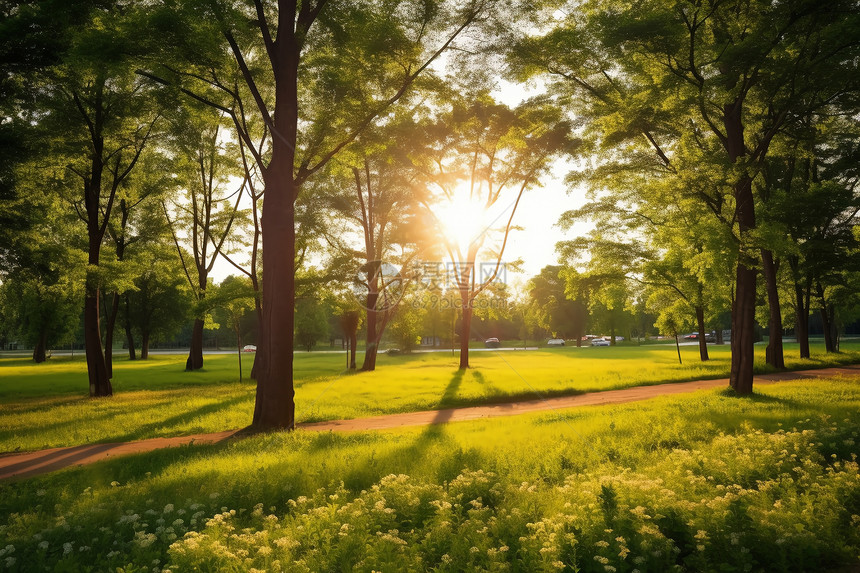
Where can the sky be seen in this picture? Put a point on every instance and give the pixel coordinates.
(537, 213)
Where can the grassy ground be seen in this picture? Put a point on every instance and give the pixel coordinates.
(700, 482)
(45, 405)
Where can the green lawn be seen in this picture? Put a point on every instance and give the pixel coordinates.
(45, 405)
(699, 482)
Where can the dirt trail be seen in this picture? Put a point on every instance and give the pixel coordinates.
(44, 461)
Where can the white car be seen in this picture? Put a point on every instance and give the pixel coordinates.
(555, 342)
(599, 342)
(249, 348)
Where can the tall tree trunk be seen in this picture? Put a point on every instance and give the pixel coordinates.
(465, 334)
(801, 319)
(743, 309)
(774, 352)
(144, 345)
(40, 349)
(829, 324)
(99, 382)
(275, 402)
(372, 340)
(128, 335)
(109, 331)
(828, 321)
(801, 309)
(700, 324)
(353, 342)
(195, 355)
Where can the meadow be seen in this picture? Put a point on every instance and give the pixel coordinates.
(45, 405)
(699, 482)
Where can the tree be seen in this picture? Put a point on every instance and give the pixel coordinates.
(234, 297)
(311, 322)
(489, 151)
(160, 301)
(333, 70)
(106, 119)
(563, 317)
(372, 190)
(207, 214)
(707, 86)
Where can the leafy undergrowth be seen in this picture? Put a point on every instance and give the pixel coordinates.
(46, 406)
(701, 482)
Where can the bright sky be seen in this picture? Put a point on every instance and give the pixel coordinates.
(537, 213)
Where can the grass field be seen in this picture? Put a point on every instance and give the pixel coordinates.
(45, 405)
(700, 482)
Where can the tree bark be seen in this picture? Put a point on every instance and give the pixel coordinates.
(465, 334)
(743, 308)
(40, 349)
(128, 335)
(109, 331)
(801, 309)
(275, 402)
(144, 346)
(774, 352)
(372, 340)
(703, 344)
(353, 341)
(828, 323)
(195, 355)
(100, 384)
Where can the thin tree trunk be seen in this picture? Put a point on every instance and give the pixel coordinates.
(99, 382)
(801, 327)
(128, 335)
(195, 355)
(109, 332)
(774, 352)
(371, 343)
(703, 344)
(40, 349)
(465, 335)
(353, 342)
(144, 345)
(239, 352)
(827, 320)
(678, 348)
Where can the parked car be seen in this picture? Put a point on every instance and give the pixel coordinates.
(692, 336)
(619, 338)
(249, 348)
(555, 342)
(393, 352)
(492, 343)
(599, 342)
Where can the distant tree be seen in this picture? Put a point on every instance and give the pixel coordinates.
(563, 317)
(234, 297)
(202, 221)
(488, 150)
(160, 302)
(106, 119)
(311, 322)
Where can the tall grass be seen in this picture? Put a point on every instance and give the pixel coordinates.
(699, 482)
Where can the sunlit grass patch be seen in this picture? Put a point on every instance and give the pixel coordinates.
(45, 405)
(705, 481)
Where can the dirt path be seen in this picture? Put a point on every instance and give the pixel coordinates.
(44, 461)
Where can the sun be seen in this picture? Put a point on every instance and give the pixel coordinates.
(462, 218)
